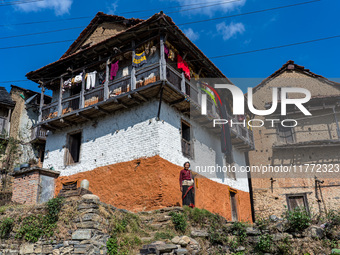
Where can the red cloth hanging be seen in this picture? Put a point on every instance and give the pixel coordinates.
(181, 64)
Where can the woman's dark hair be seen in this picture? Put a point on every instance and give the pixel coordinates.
(186, 163)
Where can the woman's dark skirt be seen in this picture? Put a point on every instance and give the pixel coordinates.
(188, 197)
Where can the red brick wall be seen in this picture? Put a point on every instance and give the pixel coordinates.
(25, 188)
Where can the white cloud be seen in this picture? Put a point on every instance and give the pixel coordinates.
(231, 30)
(60, 7)
(193, 36)
(210, 7)
(113, 8)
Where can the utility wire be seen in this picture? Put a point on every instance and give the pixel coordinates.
(19, 2)
(181, 24)
(86, 17)
(235, 54)
(72, 28)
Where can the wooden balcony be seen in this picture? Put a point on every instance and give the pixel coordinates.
(175, 90)
(38, 135)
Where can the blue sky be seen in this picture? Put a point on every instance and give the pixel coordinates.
(219, 37)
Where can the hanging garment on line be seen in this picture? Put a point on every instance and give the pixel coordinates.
(139, 59)
(91, 80)
(125, 71)
(67, 83)
(78, 78)
(114, 69)
(166, 51)
(181, 64)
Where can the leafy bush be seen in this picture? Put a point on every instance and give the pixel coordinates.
(122, 246)
(112, 246)
(53, 208)
(6, 226)
(333, 217)
(265, 243)
(262, 223)
(298, 219)
(125, 222)
(164, 235)
(35, 226)
(239, 229)
(179, 220)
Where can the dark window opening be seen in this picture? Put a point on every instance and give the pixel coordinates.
(286, 134)
(233, 202)
(186, 140)
(185, 132)
(73, 148)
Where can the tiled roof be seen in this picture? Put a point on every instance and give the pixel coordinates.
(5, 97)
(290, 65)
(98, 19)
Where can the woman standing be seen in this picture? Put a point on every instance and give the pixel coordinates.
(186, 183)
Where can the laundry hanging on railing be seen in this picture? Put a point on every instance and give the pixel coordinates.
(166, 51)
(67, 83)
(139, 59)
(114, 70)
(91, 80)
(182, 65)
(78, 78)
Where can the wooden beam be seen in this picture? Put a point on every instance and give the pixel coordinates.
(177, 101)
(101, 110)
(134, 99)
(141, 96)
(78, 114)
(117, 102)
(49, 127)
(67, 122)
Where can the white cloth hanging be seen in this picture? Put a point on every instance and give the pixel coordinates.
(91, 80)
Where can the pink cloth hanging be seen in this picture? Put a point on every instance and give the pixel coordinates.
(114, 70)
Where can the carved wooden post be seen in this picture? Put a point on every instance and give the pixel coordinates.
(107, 77)
(82, 92)
(60, 108)
(162, 61)
(133, 71)
(183, 83)
(41, 102)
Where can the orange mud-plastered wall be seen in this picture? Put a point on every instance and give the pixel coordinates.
(153, 183)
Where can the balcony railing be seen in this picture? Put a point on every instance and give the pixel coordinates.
(143, 77)
(38, 133)
(4, 127)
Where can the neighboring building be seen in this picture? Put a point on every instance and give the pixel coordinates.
(22, 143)
(6, 108)
(24, 125)
(128, 128)
(315, 140)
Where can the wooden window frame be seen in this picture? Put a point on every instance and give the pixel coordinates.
(190, 154)
(305, 200)
(67, 152)
(231, 191)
